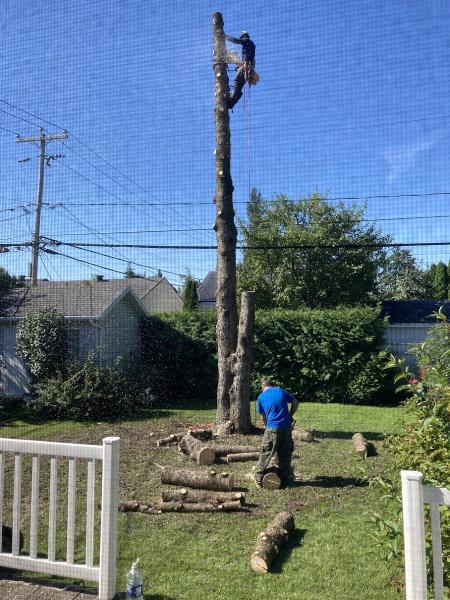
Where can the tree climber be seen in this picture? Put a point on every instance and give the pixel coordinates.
(247, 68)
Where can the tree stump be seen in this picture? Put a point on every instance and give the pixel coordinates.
(302, 436)
(201, 496)
(208, 480)
(269, 542)
(242, 457)
(360, 444)
(196, 449)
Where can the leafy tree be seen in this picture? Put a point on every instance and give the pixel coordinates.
(190, 296)
(7, 281)
(306, 262)
(42, 341)
(440, 282)
(400, 278)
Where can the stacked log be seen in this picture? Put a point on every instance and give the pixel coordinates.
(197, 450)
(360, 444)
(302, 436)
(135, 506)
(269, 542)
(242, 457)
(221, 450)
(209, 480)
(198, 496)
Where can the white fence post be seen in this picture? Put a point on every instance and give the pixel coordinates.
(108, 534)
(414, 535)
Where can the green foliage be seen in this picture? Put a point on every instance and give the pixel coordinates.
(87, 392)
(190, 295)
(177, 367)
(424, 442)
(42, 343)
(333, 355)
(7, 281)
(440, 282)
(400, 278)
(317, 277)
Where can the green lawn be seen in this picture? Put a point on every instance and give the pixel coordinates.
(185, 557)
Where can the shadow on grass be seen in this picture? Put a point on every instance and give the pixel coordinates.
(330, 482)
(294, 541)
(347, 435)
(158, 597)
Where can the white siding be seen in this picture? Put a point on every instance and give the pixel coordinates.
(401, 337)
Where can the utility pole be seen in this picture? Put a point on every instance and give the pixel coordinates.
(43, 141)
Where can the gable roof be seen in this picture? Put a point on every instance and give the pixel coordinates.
(72, 298)
(413, 311)
(207, 288)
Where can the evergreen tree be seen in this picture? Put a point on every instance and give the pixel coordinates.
(190, 296)
(440, 283)
(129, 273)
(7, 281)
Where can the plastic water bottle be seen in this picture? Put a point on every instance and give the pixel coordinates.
(135, 583)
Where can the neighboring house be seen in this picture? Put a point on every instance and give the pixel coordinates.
(409, 323)
(103, 319)
(207, 291)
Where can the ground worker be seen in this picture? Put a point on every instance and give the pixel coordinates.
(246, 69)
(272, 405)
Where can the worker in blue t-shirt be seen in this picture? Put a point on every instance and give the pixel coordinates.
(272, 404)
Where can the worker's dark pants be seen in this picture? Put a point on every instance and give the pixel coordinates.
(243, 73)
(276, 442)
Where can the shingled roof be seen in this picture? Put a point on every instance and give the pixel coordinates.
(73, 298)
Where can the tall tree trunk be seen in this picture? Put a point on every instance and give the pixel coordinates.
(242, 366)
(225, 229)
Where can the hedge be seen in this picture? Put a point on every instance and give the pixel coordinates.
(334, 355)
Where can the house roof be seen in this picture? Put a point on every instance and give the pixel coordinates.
(414, 311)
(207, 288)
(73, 298)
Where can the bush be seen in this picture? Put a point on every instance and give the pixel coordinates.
(42, 343)
(87, 392)
(333, 355)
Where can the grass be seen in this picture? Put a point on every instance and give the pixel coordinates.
(185, 557)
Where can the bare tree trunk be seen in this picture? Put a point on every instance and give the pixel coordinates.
(225, 229)
(242, 366)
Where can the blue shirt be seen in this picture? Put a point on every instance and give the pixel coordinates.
(273, 402)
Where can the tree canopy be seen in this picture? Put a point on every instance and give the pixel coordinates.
(309, 252)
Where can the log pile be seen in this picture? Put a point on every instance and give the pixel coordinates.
(360, 444)
(269, 542)
(175, 438)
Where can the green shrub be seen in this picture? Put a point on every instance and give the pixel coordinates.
(87, 392)
(332, 355)
(42, 343)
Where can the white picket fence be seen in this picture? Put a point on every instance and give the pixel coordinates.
(108, 453)
(414, 496)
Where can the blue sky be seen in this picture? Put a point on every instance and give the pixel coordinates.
(353, 101)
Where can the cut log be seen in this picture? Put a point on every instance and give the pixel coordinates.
(197, 496)
(302, 436)
(225, 450)
(269, 542)
(189, 507)
(198, 480)
(271, 481)
(242, 457)
(134, 506)
(360, 444)
(197, 450)
(201, 434)
(173, 438)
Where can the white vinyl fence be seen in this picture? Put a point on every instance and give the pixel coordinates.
(108, 453)
(414, 496)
